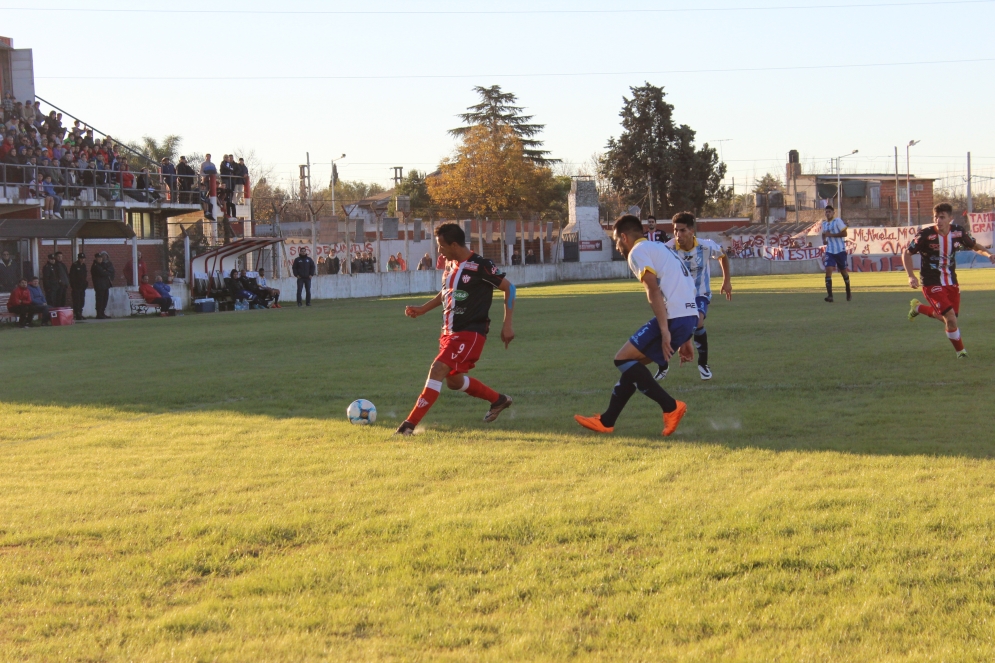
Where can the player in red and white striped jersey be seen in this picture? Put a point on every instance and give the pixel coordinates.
(468, 285)
(937, 246)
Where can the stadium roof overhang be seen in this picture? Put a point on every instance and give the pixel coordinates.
(64, 229)
(214, 259)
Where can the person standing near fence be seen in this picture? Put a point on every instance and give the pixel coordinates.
(304, 268)
(77, 281)
(184, 180)
(102, 272)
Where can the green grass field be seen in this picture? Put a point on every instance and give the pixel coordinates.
(188, 489)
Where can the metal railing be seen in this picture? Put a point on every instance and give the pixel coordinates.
(27, 181)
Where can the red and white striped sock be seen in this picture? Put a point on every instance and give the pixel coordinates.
(478, 389)
(954, 337)
(426, 400)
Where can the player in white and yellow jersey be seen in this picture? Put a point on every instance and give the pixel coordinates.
(671, 293)
(697, 255)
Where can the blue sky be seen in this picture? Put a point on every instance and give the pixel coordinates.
(382, 122)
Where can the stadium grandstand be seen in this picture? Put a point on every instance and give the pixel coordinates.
(65, 185)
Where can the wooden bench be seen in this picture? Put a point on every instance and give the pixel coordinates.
(5, 315)
(141, 307)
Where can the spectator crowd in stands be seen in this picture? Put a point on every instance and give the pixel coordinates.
(43, 158)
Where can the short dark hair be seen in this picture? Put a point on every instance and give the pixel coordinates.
(830, 207)
(939, 208)
(687, 218)
(651, 218)
(451, 233)
(628, 224)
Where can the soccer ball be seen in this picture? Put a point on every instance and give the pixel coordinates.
(361, 412)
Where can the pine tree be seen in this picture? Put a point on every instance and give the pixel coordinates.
(652, 149)
(497, 109)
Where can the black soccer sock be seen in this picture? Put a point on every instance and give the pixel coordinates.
(846, 282)
(634, 372)
(701, 343)
(829, 285)
(621, 394)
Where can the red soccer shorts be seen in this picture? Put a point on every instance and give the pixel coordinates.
(943, 298)
(460, 351)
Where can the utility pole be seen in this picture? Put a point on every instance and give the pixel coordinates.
(334, 179)
(908, 177)
(650, 194)
(310, 208)
(898, 205)
(839, 185)
(398, 178)
(970, 201)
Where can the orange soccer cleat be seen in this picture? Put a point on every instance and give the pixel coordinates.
(594, 423)
(671, 419)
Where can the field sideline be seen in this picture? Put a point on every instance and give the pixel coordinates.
(188, 489)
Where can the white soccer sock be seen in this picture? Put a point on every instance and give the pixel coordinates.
(954, 335)
(466, 383)
(434, 385)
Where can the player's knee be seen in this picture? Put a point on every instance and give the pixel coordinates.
(439, 371)
(455, 382)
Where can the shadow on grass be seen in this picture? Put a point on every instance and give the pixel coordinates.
(791, 372)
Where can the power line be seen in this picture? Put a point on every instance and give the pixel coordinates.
(541, 75)
(493, 12)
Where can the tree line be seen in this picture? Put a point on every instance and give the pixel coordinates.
(500, 167)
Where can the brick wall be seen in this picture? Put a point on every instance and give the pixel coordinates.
(922, 201)
(120, 254)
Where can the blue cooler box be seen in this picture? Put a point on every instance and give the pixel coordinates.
(205, 306)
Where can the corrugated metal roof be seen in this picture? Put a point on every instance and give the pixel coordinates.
(774, 229)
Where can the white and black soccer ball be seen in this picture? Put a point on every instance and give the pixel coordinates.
(361, 412)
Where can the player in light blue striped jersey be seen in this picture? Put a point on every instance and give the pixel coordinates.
(834, 236)
(697, 255)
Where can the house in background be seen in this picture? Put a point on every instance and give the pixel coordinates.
(868, 199)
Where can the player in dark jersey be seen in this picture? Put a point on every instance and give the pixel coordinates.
(653, 234)
(937, 246)
(468, 284)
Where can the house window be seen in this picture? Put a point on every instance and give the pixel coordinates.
(141, 223)
(800, 199)
(903, 194)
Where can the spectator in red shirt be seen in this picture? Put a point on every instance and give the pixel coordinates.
(142, 270)
(152, 296)
(127, 178)
(21, 303)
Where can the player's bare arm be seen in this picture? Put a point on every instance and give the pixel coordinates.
(416, 311)
(910, 270)
(986, 252)
(659, 306)
(507, 330)
(726, 288)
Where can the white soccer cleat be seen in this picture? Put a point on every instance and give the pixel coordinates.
(661, 373)
(705, 372)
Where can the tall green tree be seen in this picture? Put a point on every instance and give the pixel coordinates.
(156, 150)
(653, 150)
(489, 174)
(768, 183)
(414, 186)
(497, 109)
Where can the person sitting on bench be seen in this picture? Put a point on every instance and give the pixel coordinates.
(251, 285)
(238, 291)
(152, 296)
(26, 301)
(273, 293)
